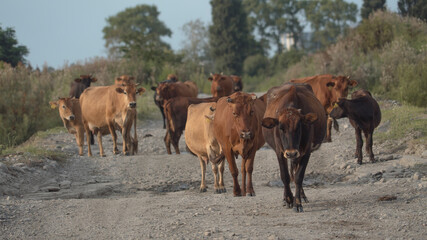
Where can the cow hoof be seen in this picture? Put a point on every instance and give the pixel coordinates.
(289, 205)
(202, 190)
(217, 191)
(305, 199)
(298, 209)
(359, 162)
(126, 154)
(103, 155)
(250, 194)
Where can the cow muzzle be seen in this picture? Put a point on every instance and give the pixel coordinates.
(245, 135)
(291, 154)
(132, 105)
(72, 117)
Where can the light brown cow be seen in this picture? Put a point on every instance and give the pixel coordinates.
(106, 106)
(237, 128)
(71, 116)
(328, 89)
(201, 141)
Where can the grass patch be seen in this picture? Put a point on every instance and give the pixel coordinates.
(147, 109)
(404, 121)
(33, 156)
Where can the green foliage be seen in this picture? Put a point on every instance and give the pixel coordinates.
(10, 52)
(413, 8)
(255, 65)
(135, 33)
(288, 58)
(228, 36)
(370, 6)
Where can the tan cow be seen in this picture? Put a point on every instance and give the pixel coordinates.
(71, 115)
(106, 106)
(200, 141)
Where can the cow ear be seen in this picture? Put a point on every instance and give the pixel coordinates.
(153, 88)
(53, 104)
(120, 90)
(352, 83)
(131, 78)
(269, 122)
(93, 80)
(77, 80)
(210, 78)
(118, 79)
(140, 91)
(310, 118)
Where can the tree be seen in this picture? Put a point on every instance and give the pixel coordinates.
(413, 8)
(10, 52)
(136, 33)
(329, 19)
(228, 36)
(196, 45)
(370, 6)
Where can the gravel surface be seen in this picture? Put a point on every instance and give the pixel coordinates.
(155, 195)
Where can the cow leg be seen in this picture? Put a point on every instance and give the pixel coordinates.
(221, 177)
(243, 170)
(126, 140)
(163, 116)
(89, 150)
(80, 139)
(293, 171)
(249, 167)
(359, 145)
(288, 198)
(216, 177)
(101, 148)
(203, 168)
(167, 140)
(299, 176)
(114, 135)
(175, 141)
(234, 172)
(328, 130)
(368, 146)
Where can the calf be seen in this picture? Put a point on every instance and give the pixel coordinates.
(200, 141)
(237, 128)
(71, 115)
(80, 84)
(176, 117)
(294, 122)
(364, 114)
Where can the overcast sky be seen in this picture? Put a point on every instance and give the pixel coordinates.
(61, 31)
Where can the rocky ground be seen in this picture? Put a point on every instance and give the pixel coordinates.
(155, 195)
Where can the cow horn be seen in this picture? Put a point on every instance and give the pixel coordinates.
(254, 97)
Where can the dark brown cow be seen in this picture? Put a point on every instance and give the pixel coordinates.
(237, 128)
(364, 114)
(294, 123)
(80, 84)
(328, 89)
(167, 91)
(176, 116)
(71, 116)
(171, 79)
(106, 106)
(223, 85)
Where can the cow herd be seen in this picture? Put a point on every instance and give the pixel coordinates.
(293, 119)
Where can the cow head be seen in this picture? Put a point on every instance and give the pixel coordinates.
(86, 80)
(339, 86)
(65, 106)
(290, 123)
(172, 78)
(130, 91)
(217, 88)
(244, 119)
(162, 91)
(339, 110)
(238, 85)
(124, 79)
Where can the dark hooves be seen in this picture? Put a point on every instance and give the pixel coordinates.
(305, 199)
(289, 205)
(298, 209)
(251, 194)
(203, 190)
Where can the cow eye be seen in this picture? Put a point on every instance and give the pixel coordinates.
(234, 114)
(125, 92)
(63, 106)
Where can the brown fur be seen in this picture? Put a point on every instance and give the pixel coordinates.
(222, 85)
(237, 128)
(294, 122)
(80, 84)
(106, 106)
(328, 89)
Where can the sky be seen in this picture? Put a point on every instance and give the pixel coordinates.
(59, 32)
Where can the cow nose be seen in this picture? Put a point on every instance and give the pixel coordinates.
(245, 135)
(72, 117)
(291, 154)
(132, 104)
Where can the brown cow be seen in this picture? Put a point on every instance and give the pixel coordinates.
(200, 141)
(328, 89)
(171, 79)
(364, 114)
(223, 85)
(294, 123)
(71, 116)
(167, 91)
(80, 84)
(106, 106)
(237, 128)
(176, 117)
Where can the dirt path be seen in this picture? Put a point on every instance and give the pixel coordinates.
(155, 195)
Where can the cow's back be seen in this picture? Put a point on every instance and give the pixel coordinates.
(193, 91)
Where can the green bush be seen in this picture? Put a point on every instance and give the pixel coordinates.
(255, 65)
